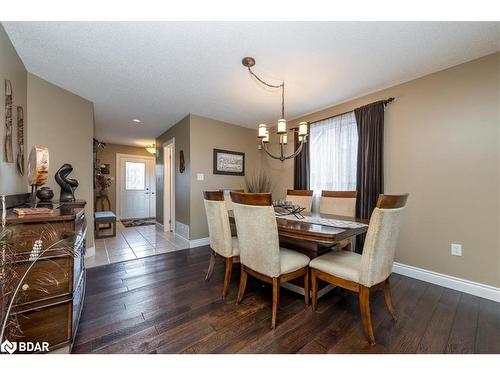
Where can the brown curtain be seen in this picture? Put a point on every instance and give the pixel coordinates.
(301, 166)
(370, 166)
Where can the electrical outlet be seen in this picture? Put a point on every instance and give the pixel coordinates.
(456, 249)
(200, 176)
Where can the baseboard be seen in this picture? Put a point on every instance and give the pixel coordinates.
(462, 285)
(199, 242)
(182, 230)
(90, 252)
(158, 224)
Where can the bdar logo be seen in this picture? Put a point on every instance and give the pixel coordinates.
(8, 347)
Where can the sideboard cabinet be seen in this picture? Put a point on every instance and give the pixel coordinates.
(50, 313)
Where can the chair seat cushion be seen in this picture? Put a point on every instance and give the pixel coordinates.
(236, 246)
(343, 264)
(104, 215)
(292, 260)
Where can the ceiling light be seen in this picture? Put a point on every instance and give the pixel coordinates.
(136, 120)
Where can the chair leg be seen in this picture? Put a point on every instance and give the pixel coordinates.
(243, 284)
(306, 287)
(276, 300)
(364, 305)
(388, 299)
(314, 290)
(211, 266)
(228, 269)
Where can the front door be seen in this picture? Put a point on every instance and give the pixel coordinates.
(136, 187)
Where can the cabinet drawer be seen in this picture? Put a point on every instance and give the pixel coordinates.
(51, 324)
(49, 277)
(25, 235)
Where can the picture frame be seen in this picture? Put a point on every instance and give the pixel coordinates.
(227, 162)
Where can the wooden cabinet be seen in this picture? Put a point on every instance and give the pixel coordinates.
(50, 313)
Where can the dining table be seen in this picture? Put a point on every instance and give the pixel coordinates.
(313, 234)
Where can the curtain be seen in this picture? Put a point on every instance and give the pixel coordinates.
(370, 166)
(301, 166)
(333, 153)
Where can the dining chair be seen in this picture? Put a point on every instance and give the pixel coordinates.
(221, 241)
(260, 252)
(342, 203)
(302, 198)
(370, 271)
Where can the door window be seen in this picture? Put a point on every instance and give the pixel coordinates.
(135, 176)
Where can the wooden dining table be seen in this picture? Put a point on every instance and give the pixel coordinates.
(312, 240)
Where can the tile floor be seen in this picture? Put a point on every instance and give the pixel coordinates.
(134, 243)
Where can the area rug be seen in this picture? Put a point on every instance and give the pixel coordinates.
(138, 222)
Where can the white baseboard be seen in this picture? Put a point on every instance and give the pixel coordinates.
(199, 242)
(462, 285)
(182, 230)
(90, 252)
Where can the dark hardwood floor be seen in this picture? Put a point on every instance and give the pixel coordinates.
(162, 304)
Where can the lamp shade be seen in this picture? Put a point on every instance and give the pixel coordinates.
(266, 137)
(262, 130)
(284, 139)
(281, 126)
(303, 128)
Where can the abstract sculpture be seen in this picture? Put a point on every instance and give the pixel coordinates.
(68, 185)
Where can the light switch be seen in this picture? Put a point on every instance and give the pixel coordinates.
(200, 176)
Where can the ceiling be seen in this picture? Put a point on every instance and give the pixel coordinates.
(159, 72)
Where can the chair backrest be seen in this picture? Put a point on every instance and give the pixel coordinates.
(227, 197)
(257, 232)
(341, 203)
(218, 223)
(381, 239)
(302, 198)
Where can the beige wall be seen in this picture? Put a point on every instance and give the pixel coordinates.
(180, 132)
(207, 134)
(108, 156)
(63, 122)
(442, 145)
(12, 68)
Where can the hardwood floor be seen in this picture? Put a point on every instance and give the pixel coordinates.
(162, 304)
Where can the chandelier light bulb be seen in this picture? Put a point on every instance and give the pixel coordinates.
(262, 130)
(281, 126)
(302, 128)
(284, 139)
(266, 137)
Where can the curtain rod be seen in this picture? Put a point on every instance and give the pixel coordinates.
(386, 101)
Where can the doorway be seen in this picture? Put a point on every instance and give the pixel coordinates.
(169, 186)
(135, 186)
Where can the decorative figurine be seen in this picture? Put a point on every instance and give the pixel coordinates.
(68, 185)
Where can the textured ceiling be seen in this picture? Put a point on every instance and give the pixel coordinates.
(160, 71)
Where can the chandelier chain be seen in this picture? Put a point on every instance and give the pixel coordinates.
(281, 85)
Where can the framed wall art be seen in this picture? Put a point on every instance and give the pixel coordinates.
(229, 162)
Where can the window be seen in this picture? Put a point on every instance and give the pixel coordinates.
(333, 153)
(135, 176)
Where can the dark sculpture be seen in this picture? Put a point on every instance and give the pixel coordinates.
(68, 185)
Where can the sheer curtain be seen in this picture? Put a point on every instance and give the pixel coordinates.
(333, 153)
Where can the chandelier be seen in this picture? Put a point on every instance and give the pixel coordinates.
(281, 130)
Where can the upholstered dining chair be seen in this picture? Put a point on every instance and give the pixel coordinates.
(260, 252)
(370, 271)
(341, 203)
(302, 198)
(221, 241)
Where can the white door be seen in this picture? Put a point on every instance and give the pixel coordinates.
(136, 187)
